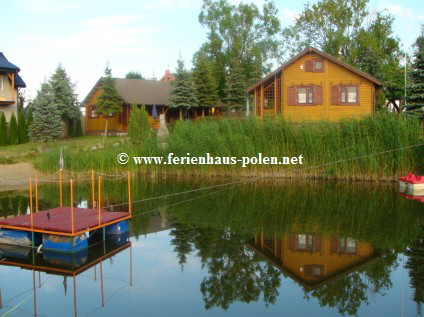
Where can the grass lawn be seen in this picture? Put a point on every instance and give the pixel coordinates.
(31, 151)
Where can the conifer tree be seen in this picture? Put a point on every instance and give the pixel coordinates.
(235, 90)
(139, 126)
(22, 128)
(30, 118)
(78, 128)
(206, 89)
(63, 94)
(416, 97)
(13, 130)
(3, 130)
(182, 90)
(109, 102)
(47, 124)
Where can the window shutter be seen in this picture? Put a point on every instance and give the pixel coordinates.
(309, 66)
(335, 95)
(124, 114)
(309, 270)
(291, 96)
(358, 100)
(335, 245)
(317, 243)
(291, 242)
(318, 95)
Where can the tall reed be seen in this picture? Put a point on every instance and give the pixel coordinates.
(332, 150)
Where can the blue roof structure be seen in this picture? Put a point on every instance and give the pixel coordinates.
(19, 82)
(5, 65)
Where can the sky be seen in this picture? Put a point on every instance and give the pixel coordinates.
(146, 36)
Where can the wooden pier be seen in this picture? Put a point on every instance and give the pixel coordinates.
(67, 221)
(58, 221)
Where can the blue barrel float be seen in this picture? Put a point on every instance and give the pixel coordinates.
(18, 237)
(52, 242)
(118, 228)
(67, 260)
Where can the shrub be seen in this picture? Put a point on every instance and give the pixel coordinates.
(3, 130)
(139, 126)
(22, 128)
(13, 130)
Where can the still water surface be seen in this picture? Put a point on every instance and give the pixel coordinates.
(260, 249)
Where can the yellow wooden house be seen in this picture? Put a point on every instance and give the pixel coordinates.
(315, 86)
(10, 83)
(313, 260)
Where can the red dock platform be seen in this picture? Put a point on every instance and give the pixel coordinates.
(59, 221)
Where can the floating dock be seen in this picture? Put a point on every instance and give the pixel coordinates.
(64, 228)
(58, 221)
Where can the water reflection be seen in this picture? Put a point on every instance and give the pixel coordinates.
(69, 266)
(340, 242)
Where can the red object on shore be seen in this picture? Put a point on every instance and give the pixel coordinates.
(412, 178)
(417, 198)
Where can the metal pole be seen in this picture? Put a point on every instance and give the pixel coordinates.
(92, 187)
(35, 292)
(72, 207)
(129, 193)
(101, 284)
(95, 272)
(30, 202)
(39, 279)
(75, 298)
(36, 192)
(130, 265)
(98, 203)
(60, 185)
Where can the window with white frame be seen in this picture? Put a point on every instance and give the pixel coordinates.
(305, 95)
(349, 94)
(1, 82)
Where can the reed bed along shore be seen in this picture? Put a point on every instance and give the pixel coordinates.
(343, 150)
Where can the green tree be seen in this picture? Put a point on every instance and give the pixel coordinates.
(134, 75)
(3, 130)
(22, 128)
(109, 102)
(78, 128)
(205, 86)
(182, 90)
(240, 33)
(416, 97)
(415, 265)
(47, 124)
(139, 125)
(235, 92)
(63, 95)
(30, 118)
(13, 130)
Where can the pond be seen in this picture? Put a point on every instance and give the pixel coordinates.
(251, 248)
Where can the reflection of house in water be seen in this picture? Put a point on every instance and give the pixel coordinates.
(312, 260)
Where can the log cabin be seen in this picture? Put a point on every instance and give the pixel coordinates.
(151, 93)
(10, 83)
(315, 86)
(313, 260)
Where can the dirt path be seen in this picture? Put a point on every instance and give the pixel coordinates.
(16, 176)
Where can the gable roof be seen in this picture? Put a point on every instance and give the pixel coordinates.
(322, 54)
(5, 65)
(139, 91)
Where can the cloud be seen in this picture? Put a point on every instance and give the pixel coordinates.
(402, 12)
(44, 6)
(288, 15)
(113, 21)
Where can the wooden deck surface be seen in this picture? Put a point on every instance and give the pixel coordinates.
(58, 220)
